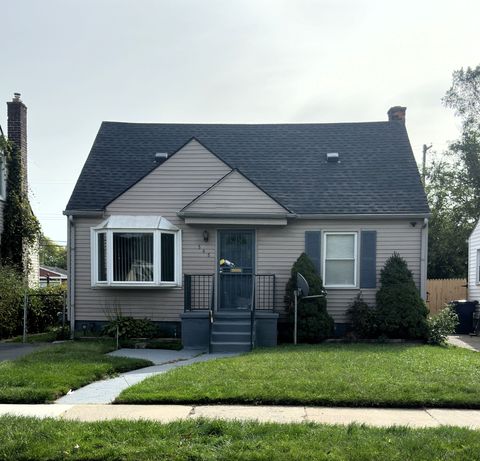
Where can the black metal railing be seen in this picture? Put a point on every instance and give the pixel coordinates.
(264, 289)
(199, 292)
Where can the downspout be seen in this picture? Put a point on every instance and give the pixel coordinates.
(71, 273)
(423, 259)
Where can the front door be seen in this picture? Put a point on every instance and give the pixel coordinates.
(236, 251)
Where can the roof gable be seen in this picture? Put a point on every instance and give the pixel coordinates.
(234, 194)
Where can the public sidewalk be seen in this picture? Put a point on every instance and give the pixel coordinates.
(380, 417)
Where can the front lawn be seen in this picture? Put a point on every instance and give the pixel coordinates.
(394, 375)
(28, 438)
(49, 373)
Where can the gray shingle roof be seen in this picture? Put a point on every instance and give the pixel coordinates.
(377, 173)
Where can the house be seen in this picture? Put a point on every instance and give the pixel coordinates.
(473, 282)
(52, 276)
(187, 223)
(17, 135)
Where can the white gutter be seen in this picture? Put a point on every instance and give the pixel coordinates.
(423, 259)
(71, 273)
(340, 216)
(85, 213)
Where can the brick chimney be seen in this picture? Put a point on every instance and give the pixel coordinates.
(396, 113)
(17, 131)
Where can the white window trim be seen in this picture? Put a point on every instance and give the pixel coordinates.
(157, 281)
(355, 258)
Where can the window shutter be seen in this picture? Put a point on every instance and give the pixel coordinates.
(368, 259)
(312, 248)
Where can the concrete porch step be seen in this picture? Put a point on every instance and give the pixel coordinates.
(237, 346)
(230, 336)
(231, 327)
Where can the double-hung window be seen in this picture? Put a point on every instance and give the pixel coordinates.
(136, 251)
(340, 259)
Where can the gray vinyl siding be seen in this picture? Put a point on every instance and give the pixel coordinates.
(164, 192)
(170, 188)
(277, 250)
(473, 246)
(235, 194)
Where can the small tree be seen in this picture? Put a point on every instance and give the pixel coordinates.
(401, 312)
(314, 322)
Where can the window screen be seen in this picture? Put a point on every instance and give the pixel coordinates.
(168, 258)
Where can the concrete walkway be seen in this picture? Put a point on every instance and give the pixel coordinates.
(380, 417)
(107, 390)
(465, 341)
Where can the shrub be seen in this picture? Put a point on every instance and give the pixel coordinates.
(442, 325)
(363, 318)
(12, 290)
(129, 327)
(314, 322)
(45, 307)
(401, 312)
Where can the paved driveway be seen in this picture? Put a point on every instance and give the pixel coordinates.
(12, 351)
(465, 341)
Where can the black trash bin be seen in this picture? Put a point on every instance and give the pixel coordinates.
(464, 311)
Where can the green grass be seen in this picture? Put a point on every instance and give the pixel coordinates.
(49, 373)
(28, 438)
(45, 337)
(395, 375)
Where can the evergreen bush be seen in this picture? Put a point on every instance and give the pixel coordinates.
(401, 312)
(363, 319)
(314, 323)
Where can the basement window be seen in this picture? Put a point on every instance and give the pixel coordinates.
(136, 251)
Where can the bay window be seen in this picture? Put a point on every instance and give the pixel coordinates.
(136, 251)
(340, 259)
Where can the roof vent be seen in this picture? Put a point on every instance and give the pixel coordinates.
(161, 156)
(333, 157)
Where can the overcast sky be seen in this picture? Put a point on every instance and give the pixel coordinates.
(78, 62)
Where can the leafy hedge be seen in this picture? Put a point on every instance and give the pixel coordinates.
(12, 290)
(44, 304)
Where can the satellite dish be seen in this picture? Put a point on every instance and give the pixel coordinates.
(301, 293)
(302, 286)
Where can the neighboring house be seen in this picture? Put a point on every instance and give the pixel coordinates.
(3, 183)
(170, 221)
(52, 276)
(473, 282)
(17, 134)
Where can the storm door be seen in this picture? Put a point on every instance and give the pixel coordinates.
(236, 266)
